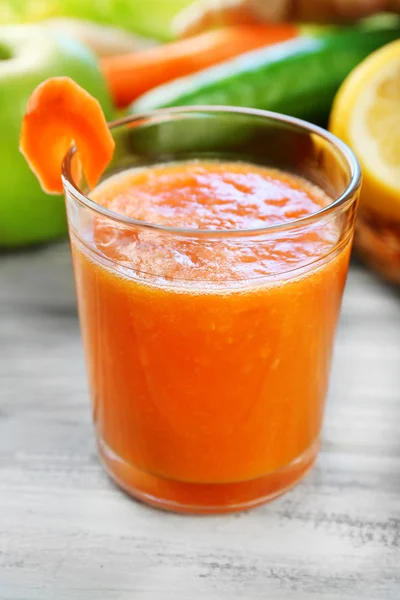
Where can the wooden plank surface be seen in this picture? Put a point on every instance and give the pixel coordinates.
(66, 532)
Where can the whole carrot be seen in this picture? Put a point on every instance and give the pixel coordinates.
(131, 75)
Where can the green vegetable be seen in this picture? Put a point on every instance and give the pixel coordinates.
(150, 18)
(299, 77)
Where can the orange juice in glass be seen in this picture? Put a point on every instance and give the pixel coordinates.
(210, 263)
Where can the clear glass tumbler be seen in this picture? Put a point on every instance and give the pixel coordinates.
(208, 386)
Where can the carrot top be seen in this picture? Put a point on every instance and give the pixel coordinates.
(60, 112)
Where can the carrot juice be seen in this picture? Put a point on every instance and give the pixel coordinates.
(208, 344)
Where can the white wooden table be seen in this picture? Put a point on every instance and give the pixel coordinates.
(66, 533)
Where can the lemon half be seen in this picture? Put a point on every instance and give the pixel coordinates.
(366, 116)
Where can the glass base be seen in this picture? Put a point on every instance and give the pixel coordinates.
(202, 498)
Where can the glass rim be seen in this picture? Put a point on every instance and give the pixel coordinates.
(341, 201)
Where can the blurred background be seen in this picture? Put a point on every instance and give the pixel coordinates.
(129, 54)
(150, 19)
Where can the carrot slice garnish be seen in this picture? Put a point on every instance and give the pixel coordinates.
(60, 113)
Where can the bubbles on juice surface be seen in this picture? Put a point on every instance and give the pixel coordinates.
(216, 197)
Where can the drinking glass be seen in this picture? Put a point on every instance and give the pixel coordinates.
(208, 375)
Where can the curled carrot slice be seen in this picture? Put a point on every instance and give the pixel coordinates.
(60, 112)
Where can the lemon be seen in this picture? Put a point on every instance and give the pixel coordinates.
(366, 115)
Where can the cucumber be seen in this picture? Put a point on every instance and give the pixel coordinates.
(298, 77)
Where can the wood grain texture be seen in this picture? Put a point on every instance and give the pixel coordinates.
(67, 533)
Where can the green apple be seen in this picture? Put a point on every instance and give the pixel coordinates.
(28, 55)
